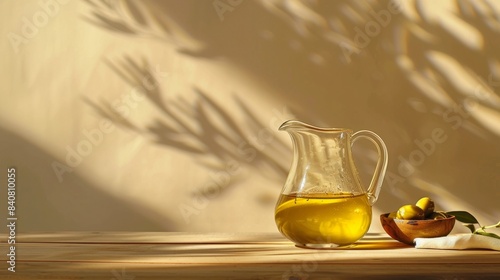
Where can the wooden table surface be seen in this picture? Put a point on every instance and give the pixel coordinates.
(153, 255)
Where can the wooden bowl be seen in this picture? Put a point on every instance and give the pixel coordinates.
(406, 231)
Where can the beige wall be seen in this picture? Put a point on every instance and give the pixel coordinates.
(181, 96)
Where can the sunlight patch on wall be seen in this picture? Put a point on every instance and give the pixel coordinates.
(431, 89)
(488, 117)
(454, 72)
(462, 31)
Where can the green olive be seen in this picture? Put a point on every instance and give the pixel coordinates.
(410, 212)
(426, 204)
(393, 215)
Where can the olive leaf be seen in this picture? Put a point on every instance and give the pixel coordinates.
(490, 234)
(482, 231)
(472, 227)
(469, 221)
(464, 217)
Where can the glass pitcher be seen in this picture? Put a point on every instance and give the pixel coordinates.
(322, 203)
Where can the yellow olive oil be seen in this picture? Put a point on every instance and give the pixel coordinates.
(339, 219)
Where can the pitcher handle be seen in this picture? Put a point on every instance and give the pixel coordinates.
(378, 176)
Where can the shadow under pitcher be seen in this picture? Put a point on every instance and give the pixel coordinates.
(322, 204)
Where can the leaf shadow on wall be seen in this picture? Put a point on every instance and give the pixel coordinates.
(201, 128)
(321, 58)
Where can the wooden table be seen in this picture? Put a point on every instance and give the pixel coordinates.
(146, 255)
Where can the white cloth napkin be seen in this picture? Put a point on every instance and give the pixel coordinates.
(459, 242)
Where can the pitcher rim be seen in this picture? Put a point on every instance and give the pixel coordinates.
(294, 123)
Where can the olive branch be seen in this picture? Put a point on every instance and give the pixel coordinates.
(469, 221)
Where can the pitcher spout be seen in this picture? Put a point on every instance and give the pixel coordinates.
(298, 125)
(290, 124)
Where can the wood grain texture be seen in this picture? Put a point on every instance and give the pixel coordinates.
(129, 255)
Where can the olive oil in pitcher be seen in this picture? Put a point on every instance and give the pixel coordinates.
(339, 219)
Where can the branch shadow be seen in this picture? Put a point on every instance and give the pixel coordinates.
(202, 128)
(308, 53)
